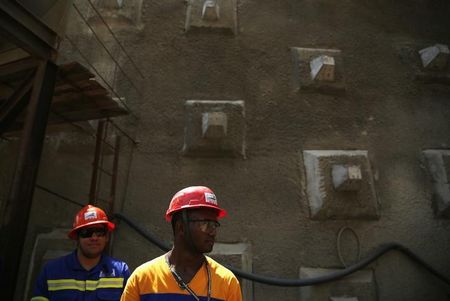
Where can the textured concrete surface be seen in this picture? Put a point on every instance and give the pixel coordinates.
(242, 255)
(384, 110)
(360, 285)
(47, 246)
(437, 162)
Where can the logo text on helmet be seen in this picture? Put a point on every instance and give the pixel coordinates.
(210, 198)
(90, 215)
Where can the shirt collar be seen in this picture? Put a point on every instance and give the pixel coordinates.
(102, 265)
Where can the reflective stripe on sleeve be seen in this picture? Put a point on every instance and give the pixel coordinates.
(39, 299)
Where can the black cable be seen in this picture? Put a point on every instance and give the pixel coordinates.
(106, 48)
(59, 195)
(304, 282)
(150, 237)
(115, 38)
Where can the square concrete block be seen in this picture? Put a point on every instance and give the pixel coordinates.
(212, 15)
(214, 128)
(357, 286)
(429, 63)
(47, 246)
(318, 70)
(211, 10)
(340, 185)
(346, 177)
(435, 57)
(214, 125)
(323, 68)
(240, 256)
(118, 14)
(438, 165)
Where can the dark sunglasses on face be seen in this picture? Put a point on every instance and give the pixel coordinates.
(88, 232)
(205, 224)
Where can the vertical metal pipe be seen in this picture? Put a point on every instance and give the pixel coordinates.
(112, 195)
(14, 225)
(97, 152)
(101, 161)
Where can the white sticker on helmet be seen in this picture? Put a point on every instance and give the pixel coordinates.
(90, 215)
(210, 198)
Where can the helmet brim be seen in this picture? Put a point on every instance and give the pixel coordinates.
(73, 233)
(221, 212)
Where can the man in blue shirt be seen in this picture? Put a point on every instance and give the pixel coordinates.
(86, 274)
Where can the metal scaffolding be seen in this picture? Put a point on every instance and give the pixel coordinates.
(34, 75)
(27, 32)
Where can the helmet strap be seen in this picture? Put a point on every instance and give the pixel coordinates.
(187, 229)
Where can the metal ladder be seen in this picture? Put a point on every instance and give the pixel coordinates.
(99, 170)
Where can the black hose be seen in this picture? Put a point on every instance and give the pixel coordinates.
(303, 282)
(150, 237)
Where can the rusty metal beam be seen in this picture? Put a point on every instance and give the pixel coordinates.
(9, 70)
(14, 105)
(18, 205)
(26, 31)
(95, 165)
(115, 171)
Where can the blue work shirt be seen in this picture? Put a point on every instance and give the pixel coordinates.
(64, 279)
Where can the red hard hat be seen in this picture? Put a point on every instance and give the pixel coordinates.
(88, 216)
(194, 197)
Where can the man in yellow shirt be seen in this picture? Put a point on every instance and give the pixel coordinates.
(185, 273)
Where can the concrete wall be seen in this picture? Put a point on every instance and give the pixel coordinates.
(384, 111)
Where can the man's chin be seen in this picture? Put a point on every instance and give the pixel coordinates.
(208, 250)
(91, 254)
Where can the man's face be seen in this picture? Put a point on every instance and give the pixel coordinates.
(203, 226)
(92, 240)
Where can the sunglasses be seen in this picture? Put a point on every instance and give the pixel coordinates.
(88, 232)
(206, 224)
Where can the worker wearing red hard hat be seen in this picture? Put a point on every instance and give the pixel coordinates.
(185, 273)
(194, 197)
(86, 274)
